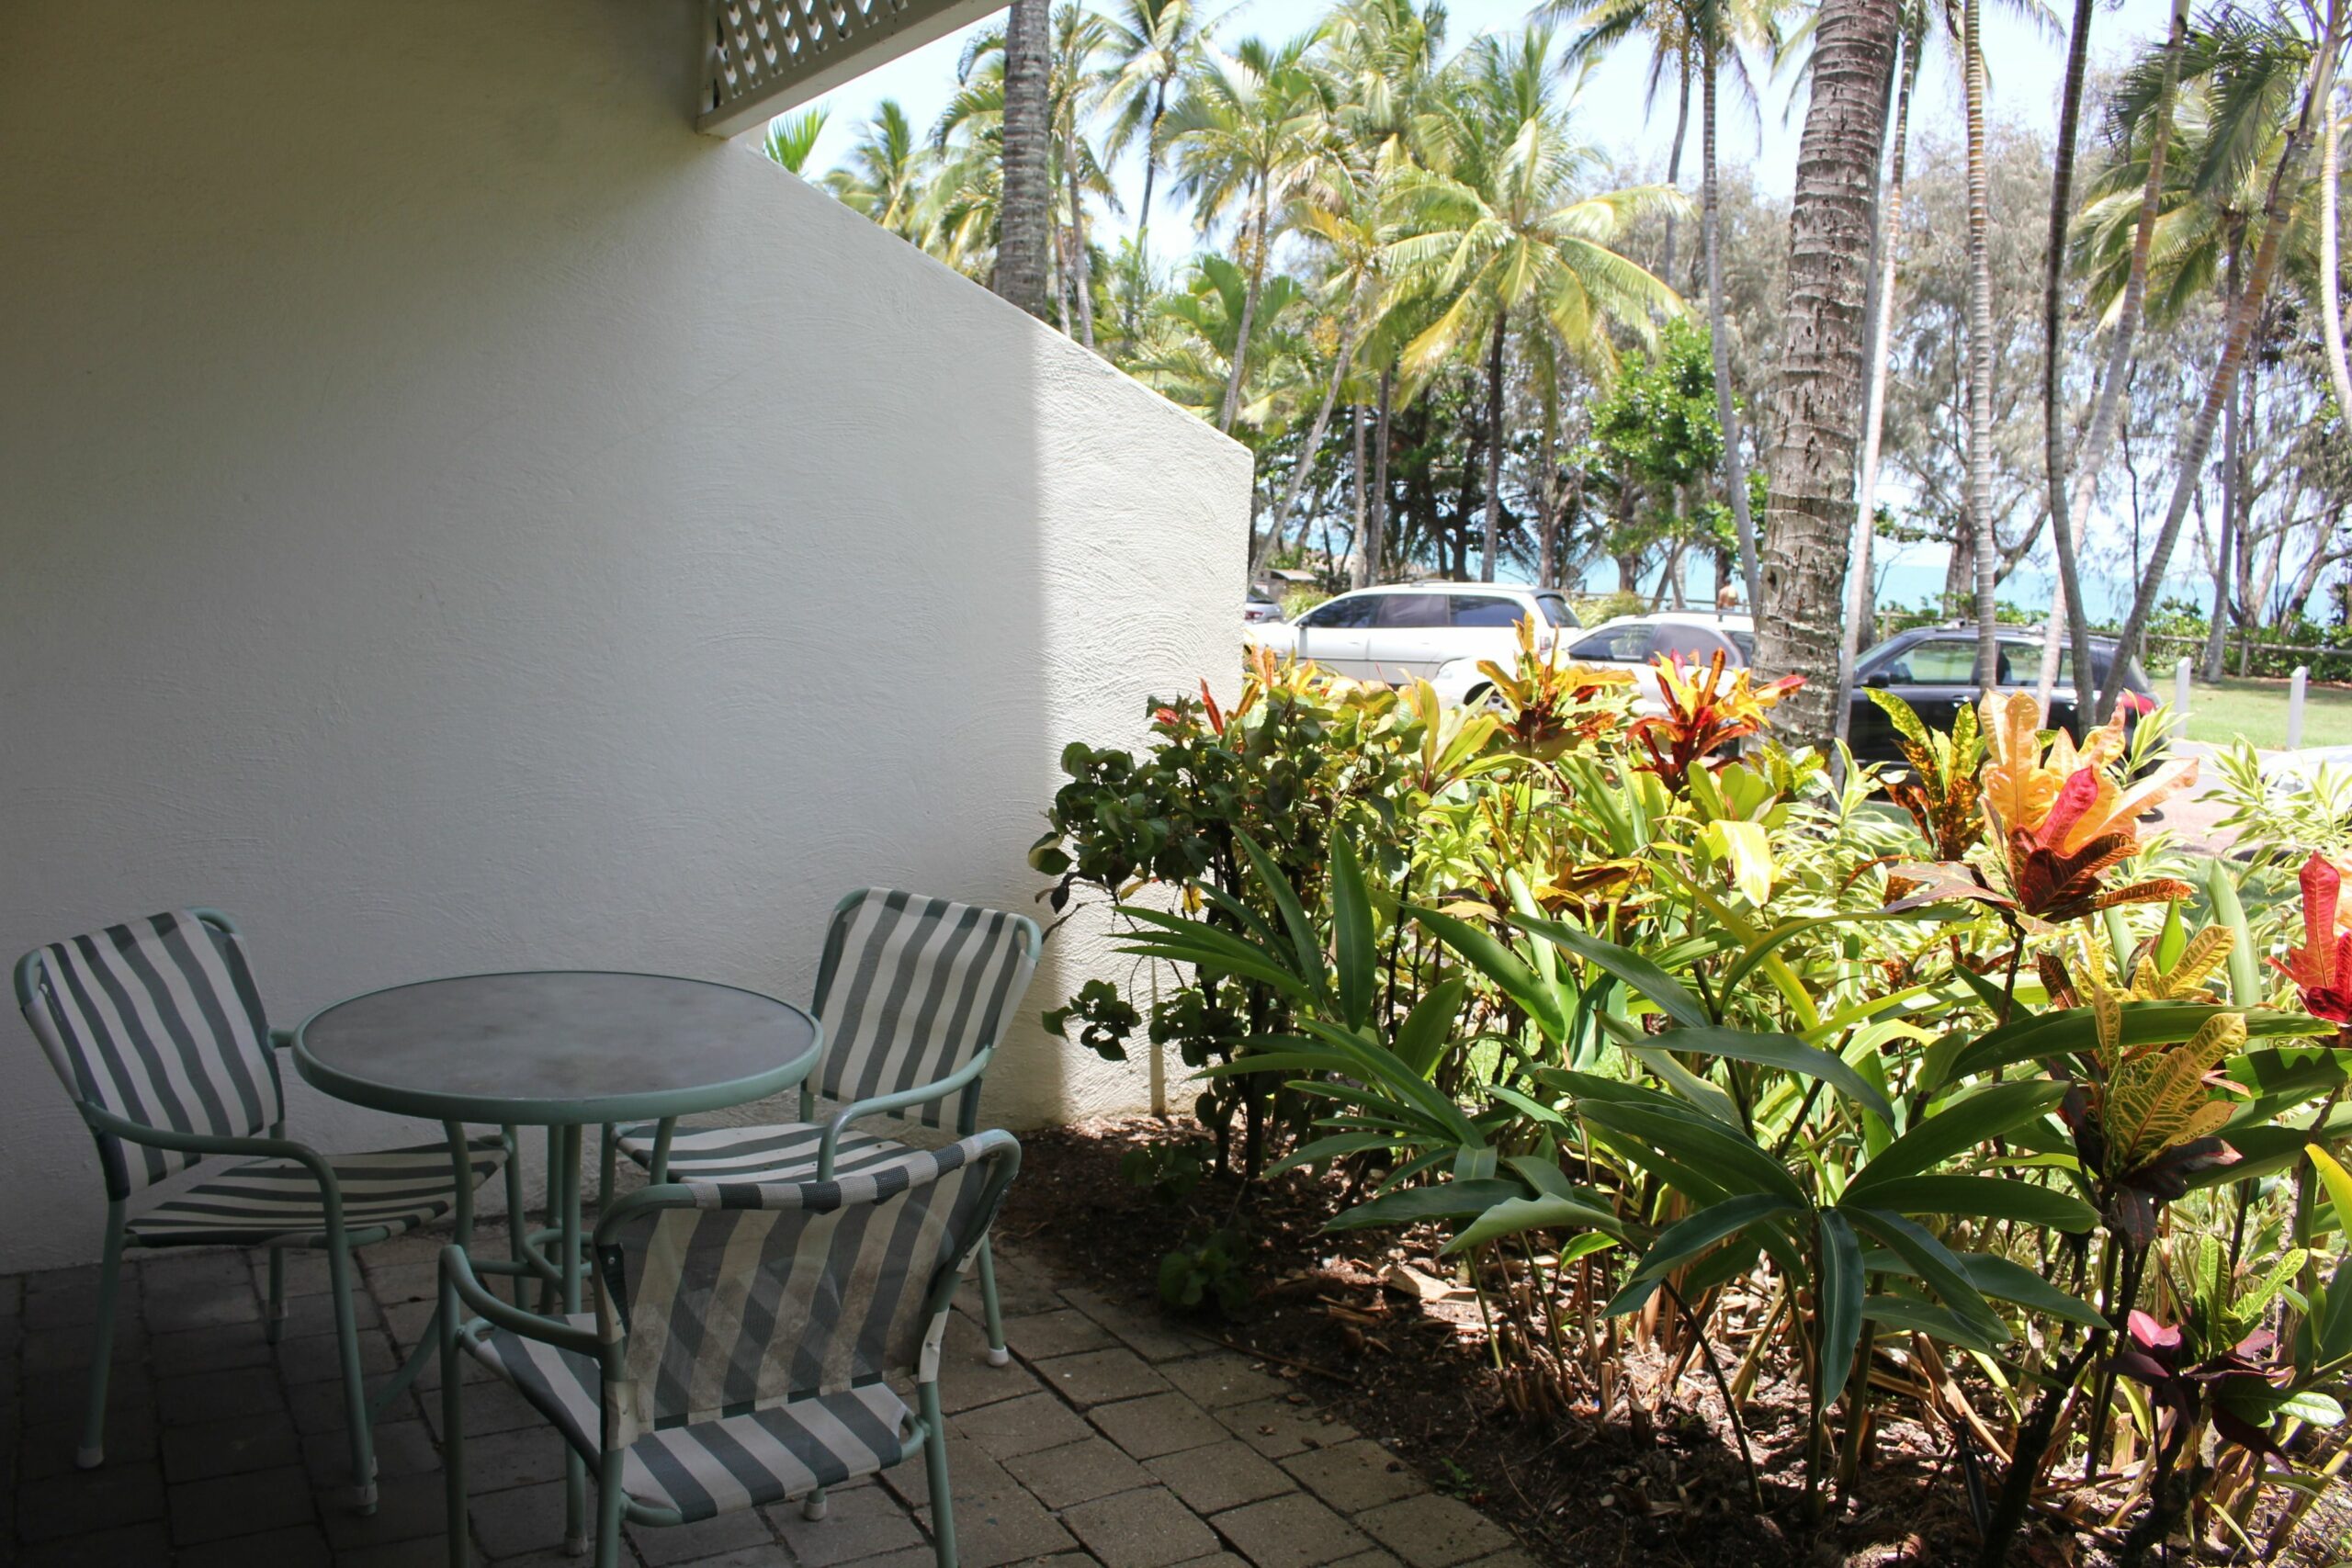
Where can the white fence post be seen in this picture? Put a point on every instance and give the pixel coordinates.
(2180, 690)
(2295, 685)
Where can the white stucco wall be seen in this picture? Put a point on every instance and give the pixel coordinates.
(453, 517)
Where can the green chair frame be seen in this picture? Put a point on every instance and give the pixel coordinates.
(461, 1288)
(966, 1078)
(337, 1241)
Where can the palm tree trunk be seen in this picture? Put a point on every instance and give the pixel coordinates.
(2106, 415)
(1077, 268)
(1248, 311)
(1490, 536)
(1547, 560)
(1305, 464)
(1375, 521)
(1143, 213)
(1024, 238)
(2217, 631)
(1979, 504)
(1881, 335)
(2053, 408)
(1809, 457)
(2330, 320)
(1674, 162)
(1355, 468)
(2278, 210)
(1719, 325)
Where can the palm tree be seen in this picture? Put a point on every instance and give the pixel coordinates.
(2068, 604)
(1493, 228)
(2277, 215)
(1813, 433)
(792, 137)
(1717, 24)
(1245, 135)
(1079, 38)
(1149, 43)
(1024, 239)
(1666, 24)
(1978, 490)
(888, 174)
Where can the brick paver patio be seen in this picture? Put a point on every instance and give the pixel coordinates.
(1112, 1439)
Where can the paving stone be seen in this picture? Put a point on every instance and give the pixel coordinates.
(662, 1546)
(1140, 1327)
(996, 1528)
(250, 1504)
(967, 1382)
(1149, 1528)
(393, 1283)
(213, 1449)
(1042, 1335)
(1161, 1423)
(308, 1315)
(203, 1304)
(524, 1457)
(49, 1448)
(216, 1397)
(970, 1473)
(1019, 1426)
(318, 1356)
(490, 1407)
(1431, 1532)
(1077, 1473)
(408, 1507)
(424, 1551)
(297, 1546)
(1221, 1476)
(524, 1519)
(758, 1555)
(88, 1500)
(1290, 1531)
(1023, 1285)
(860, 1523)
(1222, 1379)
(1100, 1377)
(306, 1271)
(44, 1400)
(183, 1271)
(220, 1348)
(1375, 1557)
(1515, 1558)
(1220, 1560)
(1355, 1476)
(1278, 1429)
(66, 1351)
(126, 1546)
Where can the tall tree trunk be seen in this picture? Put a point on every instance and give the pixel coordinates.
(1492, 532)
(2331, 316)
(1547, 560)
(1719, 322)
(1257, 277)
(2217, 630)
(1369, 548)
(1143, 213)
(1980, 348)
(1880, 340)
(1025, 203)
(2106, 415)
(1305, 464)
(2277, 209)
(2054, 406)
(1079, 268)
(1355, 469)
(1674, 161)
(1815, 432)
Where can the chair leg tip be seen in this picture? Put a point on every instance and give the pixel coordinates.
(363, 1499)
(998, 1356)
(575, 1546)
(814, 1508)
(89, 1457)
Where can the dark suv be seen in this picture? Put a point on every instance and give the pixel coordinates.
(1934, 670)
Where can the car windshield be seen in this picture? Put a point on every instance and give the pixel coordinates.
(1556, 610)
(1745, 642)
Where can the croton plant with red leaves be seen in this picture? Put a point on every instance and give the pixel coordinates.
(2322, 966)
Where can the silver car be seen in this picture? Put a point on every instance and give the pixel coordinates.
(1413, 630)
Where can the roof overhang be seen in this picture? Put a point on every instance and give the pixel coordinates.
(771, 56)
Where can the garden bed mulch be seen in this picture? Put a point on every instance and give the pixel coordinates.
(1360, 1324)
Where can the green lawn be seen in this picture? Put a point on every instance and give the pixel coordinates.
(2258, 710)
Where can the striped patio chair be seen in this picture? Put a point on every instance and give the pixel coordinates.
(914, 995)
(157, 1031)
(744, 1341)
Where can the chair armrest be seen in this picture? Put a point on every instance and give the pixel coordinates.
(881, 1104)
(460, 1282)
(309, 1158)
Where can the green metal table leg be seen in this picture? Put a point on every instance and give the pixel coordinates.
(575, 1470)
(517, 1227)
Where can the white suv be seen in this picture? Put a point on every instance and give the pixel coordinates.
(1412, 629)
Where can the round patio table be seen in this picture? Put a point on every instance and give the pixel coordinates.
(559, 1049)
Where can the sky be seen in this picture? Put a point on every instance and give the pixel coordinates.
(2025, 46)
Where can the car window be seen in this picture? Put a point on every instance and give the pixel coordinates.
(1688, 644)
(1620, 645)
(2021, 665)
(1556, 610)
(1746, 643)
(1936, 661)
(1352, 610)
(1412, 611)
(1484, 610)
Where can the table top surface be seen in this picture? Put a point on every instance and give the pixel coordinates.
(556, 1047)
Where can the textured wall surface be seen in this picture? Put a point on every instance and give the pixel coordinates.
(457, 518)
